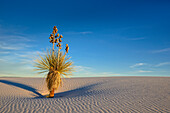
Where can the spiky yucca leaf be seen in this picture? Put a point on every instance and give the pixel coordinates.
(57, 65)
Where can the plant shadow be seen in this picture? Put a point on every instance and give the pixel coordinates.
(82, 91)
(23, 86)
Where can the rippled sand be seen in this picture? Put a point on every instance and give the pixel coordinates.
(87, 95)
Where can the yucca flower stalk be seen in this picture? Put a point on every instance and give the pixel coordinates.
(54, 63)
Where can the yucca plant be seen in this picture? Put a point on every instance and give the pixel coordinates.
(54, 63)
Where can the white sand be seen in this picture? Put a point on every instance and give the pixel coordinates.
(87, 95)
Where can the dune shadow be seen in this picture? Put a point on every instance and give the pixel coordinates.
(23, 86)
(81, 91)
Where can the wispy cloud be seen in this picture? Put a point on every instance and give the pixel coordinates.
(5, 46)
(88, 72)
(161, 50)
(15, 46)
(29, 53)
(18, 62)
(137, 65)
(107, 74)
(16, 53)
(82, 68)
(144, 71)
(136, 72)
(15, 38)
(20, 57)
(162, 64)
(102, 74)
(145, 68)
(16, 69)
(4, 52)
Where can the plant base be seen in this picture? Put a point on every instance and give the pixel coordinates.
(51, 95)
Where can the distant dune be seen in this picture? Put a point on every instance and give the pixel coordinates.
(87, 95)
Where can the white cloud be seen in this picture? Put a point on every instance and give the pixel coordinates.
(92, 74)
(15, 38)
(107, 74)
(140, 71)
(144, 71)
(20, 57)
(82, 68)
(6, 46)
(161, 50)
(88, 72)
(15, 69)
(14, 55)
(162, 64)
(137, 65)
(4, 52)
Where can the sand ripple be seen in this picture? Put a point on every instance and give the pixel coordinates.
(87, 95)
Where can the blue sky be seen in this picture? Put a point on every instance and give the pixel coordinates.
(106, 37)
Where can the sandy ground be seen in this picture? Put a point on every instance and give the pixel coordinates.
(87, 95)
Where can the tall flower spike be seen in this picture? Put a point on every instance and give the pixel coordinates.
(61, 36)
(51, 41)
(56, 30)
(66, 45)
(60, 40)
(67, 48)
(52, 36)
(55, 63)
(53, 31)
(58, 34)
(54, 27)
(56, 41)
(59, 44)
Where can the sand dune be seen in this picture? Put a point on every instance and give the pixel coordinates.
(87, 95)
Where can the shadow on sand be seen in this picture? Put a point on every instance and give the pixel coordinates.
(23, 86)
(82, 91)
